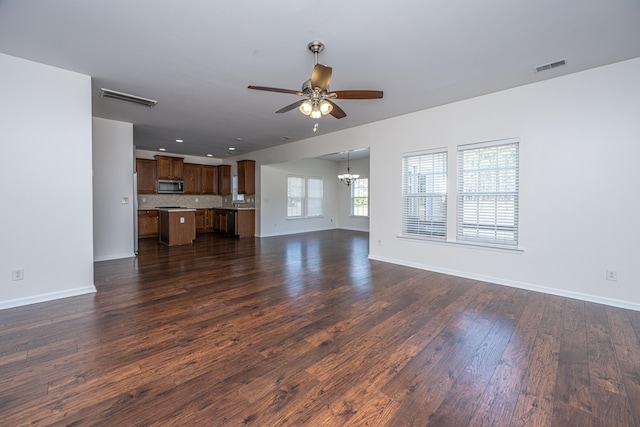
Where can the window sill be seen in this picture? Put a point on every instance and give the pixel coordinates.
(471, 245)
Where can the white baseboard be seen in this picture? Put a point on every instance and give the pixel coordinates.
(515, 284)
(18, 302)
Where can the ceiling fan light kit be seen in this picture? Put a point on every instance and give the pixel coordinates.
(317, 93)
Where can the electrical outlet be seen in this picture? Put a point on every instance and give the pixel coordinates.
(612, 275)
(197, 200)
(181, 220)
(17, 274)
(124, 200)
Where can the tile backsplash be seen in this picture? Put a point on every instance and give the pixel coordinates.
(150, 201)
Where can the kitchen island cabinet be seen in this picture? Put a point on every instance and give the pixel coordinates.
(177, 226)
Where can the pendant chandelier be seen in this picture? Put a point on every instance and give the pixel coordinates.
(348, 178)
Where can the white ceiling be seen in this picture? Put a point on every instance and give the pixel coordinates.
(198, 57)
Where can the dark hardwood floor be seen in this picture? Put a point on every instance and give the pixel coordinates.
(304, 330)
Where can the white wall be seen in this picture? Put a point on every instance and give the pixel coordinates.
(345, 220)
(46, 223)
(273, 194)
(580, 141)
(113, 166)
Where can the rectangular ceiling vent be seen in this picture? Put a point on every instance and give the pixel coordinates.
(112, 94)
(551, 65)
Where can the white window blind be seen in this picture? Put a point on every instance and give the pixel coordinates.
(295, 196)
(424, 194)
(315, 196)
(488, 193)
(360, 197)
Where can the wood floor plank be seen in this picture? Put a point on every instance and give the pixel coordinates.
(306, 330)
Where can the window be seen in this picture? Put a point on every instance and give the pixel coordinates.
(234, 190)
(295, 196)
(315, 191)
(424, 194)
(304, 196)
(360, 197)
(488, 193)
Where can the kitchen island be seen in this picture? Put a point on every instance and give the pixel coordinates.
(177, 225)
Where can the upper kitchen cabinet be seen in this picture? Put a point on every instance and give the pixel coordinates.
(224, 180)
(170, 167)
(146, 170)
(209, 179)
(247, 177)
(200, 179)
(192, 178)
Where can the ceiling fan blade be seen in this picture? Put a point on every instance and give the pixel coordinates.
(358, 94)
(320, 77)
(274, 89)
(290, 107)
(337, 112)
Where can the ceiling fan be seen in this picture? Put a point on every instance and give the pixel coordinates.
(318, 97)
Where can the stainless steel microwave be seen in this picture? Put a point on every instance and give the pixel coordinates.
(166, 186)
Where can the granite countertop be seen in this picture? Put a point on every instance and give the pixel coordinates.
(182, 208)
(174, 209)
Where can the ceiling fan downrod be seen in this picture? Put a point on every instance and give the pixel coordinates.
(316, 47)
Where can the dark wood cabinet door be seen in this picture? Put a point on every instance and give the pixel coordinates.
(170, 167)
(148, 223)
(224, 180)
(206, 179)
(192, 178)
(146, 170)
(247, 177)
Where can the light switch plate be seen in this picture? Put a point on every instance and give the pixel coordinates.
(181, 220)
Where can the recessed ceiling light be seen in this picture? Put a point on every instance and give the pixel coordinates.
(179, 140)
(238, 139)
(232, 148)
(162, 149)
(209, 155)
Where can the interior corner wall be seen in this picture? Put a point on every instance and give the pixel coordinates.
(579, 147)
(46, 223)
(113, 234)
(273, 195)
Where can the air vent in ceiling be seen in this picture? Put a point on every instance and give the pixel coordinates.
(550, 65)
(112, 94)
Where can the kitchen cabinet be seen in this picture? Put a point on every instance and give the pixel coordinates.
(235, 223)
(200, 179)
(177, 226)
(245, 223)
(170, 167)
(224, 180)
(247, 177)
(192, 178)
(220, 220)
(204, 220)
(209, 179)
(148, 223)
(146, 170)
